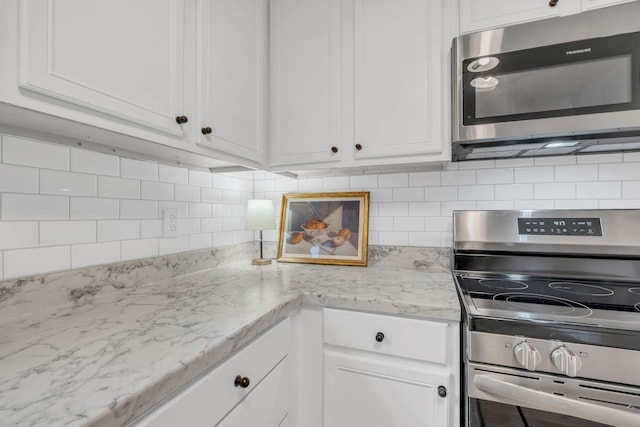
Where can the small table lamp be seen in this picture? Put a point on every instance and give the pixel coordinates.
(260, 216)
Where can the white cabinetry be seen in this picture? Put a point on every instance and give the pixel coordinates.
(478, 15)
(359, 82)
(252, 385)
(232, 76)
(384, 370)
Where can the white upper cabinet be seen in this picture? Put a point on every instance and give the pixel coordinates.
(231, 93)
(120, 58)
(359, 83)
(305, 79)
(478, 15)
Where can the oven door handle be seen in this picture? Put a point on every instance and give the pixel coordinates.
(536, 399)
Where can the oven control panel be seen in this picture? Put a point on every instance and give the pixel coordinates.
(560, 226)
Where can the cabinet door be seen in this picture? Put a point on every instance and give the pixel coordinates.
(398, 81)
(360, 392)
(232, 37)
(305, 86)
(596, 4)
(266, 405)
(118, 57)
(481, 14)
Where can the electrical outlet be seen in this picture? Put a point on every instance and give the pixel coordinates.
(170, 222)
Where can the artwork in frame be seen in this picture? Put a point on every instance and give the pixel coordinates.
(324, 228)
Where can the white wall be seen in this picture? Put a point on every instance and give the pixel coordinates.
(414, 209)
(64, 207)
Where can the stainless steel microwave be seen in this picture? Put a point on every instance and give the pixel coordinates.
(568, 85)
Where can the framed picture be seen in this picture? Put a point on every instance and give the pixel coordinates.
(324, 228)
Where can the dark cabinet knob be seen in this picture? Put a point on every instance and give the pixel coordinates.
(379, 336)
(358, 147)
(552, 3)
(442, 391)
(334, 149)
(241, 381)
(206, 131)
(181, 120)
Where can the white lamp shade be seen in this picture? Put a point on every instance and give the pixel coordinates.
(260, 215)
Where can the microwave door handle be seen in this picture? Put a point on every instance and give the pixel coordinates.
(523, 396)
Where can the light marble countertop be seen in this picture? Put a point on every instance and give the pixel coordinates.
(107, 360)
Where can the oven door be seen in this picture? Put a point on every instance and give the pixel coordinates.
(498, 397)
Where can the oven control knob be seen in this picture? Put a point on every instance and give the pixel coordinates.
(527, 355)
(567, 362)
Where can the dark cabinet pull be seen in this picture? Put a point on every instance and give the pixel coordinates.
(206, 131)
(552, 3)
(358, 147)
(379, 336)
(241, 381)
(182, 119)
(442, 391)
(334, 149)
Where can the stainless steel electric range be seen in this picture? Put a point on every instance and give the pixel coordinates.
(551, 317)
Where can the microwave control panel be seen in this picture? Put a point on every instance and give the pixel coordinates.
(560, 226)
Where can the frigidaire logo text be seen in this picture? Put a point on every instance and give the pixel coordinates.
(575, 52)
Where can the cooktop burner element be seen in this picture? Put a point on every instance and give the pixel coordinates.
(580, 289)
(546, 304)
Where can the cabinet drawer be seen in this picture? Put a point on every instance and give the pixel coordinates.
(211, 397)
(412, 338)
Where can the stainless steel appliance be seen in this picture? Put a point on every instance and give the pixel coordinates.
(568, 85)
(551, 317)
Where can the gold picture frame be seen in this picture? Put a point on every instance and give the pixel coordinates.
(324, 228)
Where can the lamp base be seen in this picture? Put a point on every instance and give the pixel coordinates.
(260, 261)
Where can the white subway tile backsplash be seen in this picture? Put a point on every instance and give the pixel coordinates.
(210, 195)
(18, 179)
(620, 204)
(26, 262)
(394, 238)
(68, 183)
(94, 208)
(94, 254)
(18, 234)
(334, 183)
(33, 207)
(631, 157)
(118, 188)
(459, 177)
(408, 223)
(363, 181)
(477, 164)
(408, 194)
(476, 192)
(436, 194)
(1, 266)
(287, 185)
(137, 169)
(210, 225)
(378, 195)
(200, 241)
(425, 179)
(222, 238)
(150, 228)
(173, 245)
(200, 178)
(199, 210)
(554, 191)
(94, 163)
(29, 152)
(599, 190)
(439, 224)
(173, 174)
(555, 160)
(56, 233)
(233, 224)
(182, 207)
(190, 225)
(619, 172)
(187, 193)
(264, 185)
(576, 204)
(425, 209)
(138, 209)
(514, 192)
(425, 238)
(393, 180)
(393, 209)
(492, 205)
(576, 173)
(495, 176)
(600, 158)
(447, 208)
(534, 174)
(151, 190)
(310, 185)
(382, 223)
(533, 204)
(514, 163)
(111, 230)
(631, 190)
(136, 249)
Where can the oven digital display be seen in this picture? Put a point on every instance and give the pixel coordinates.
(560, 226)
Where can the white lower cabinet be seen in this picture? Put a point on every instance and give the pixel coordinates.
(249, 389)
(382, 370)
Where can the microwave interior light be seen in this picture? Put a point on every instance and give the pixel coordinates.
(484, 82)
(485, 63)
(561, 144)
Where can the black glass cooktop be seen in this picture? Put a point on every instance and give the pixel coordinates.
(553, 296)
